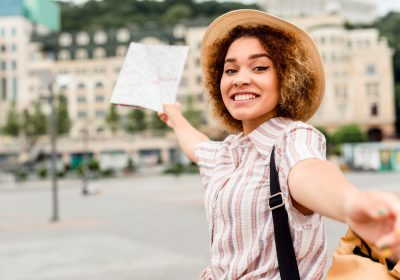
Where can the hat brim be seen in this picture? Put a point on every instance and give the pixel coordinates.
(221, 27)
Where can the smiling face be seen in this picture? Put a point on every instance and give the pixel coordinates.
(249, 84)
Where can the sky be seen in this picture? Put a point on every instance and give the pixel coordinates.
(383, 5)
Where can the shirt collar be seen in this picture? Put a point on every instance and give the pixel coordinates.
(267, 134)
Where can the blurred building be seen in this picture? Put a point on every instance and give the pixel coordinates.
(359, 77)
(353, 11)
(18, 20)
(358, 65)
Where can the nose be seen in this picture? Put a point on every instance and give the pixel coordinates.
(242, 78)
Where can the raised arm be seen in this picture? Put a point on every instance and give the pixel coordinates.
(321, 187)
(188, 137)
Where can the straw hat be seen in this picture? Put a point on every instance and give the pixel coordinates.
(221, 26)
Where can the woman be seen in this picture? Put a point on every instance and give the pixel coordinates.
(265, 77)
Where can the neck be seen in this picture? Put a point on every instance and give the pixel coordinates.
(250, 125)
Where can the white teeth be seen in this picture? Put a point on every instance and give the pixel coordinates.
(240, 97)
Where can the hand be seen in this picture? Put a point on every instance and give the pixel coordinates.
(171, 112)
(375, 217)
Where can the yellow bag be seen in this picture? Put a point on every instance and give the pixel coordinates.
(354, 259)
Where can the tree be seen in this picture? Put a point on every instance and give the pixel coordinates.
(113, 118)
(36, 123)
(177, 13)
(193, 115)
(63, 120)
(12, 125)
(156, 123)
(136, 121)
(349, 134)
(389, 27)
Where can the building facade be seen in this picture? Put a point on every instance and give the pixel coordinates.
(353, 11)
(358, 66)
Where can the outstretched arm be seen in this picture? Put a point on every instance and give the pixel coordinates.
(320, 186)
(188, 137)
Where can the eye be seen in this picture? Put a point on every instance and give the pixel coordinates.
(230, 71)
(261, 68)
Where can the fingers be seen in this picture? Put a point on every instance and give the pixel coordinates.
(163, 117)
(389, 210)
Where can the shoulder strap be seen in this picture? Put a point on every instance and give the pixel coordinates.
(288, 268)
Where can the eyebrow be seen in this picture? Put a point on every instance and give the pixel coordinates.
(254, 56)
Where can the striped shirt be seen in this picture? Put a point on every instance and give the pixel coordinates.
(235, 175)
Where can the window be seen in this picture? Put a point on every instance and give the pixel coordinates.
(198, 79)
(100, 37)
(13, 31)
(3, 48)
(81, 86)
(2, 32)
(99, 85)
(81, 99)
(14, 47)
(63, 88)
(15, 87)
(82, 38)
(121, 50)
(81, 54)
(82, 114)
(64, 55)
(100, 113)
(3, 65)
(123, 35)
(99, 98)
(371, 69)
(14, 65)
(99, 53)
(4, 88)
(65, 39)
(372, 89)
(374, 110)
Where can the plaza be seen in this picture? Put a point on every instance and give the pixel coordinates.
(139, 228)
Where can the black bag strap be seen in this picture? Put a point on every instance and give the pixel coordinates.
(287, 262)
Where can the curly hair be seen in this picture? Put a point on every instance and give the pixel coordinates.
(297, 80)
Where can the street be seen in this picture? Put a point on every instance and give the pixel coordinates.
(129, 228)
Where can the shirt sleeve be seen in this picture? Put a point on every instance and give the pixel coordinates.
(205, 154)
(300, 142)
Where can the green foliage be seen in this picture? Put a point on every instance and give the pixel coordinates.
(113, 118)
(325, 132)
(93, 165)
(21, 175)
(36, 123)
(136, 121)
(63, 120)
(389, 27)
(349, 134)
(193, 115)
(108, 173)
(12, 125)
(179, 168)
(175, 169)
(118, 13)
(177, 13)
(156, 123)
(130, 167)
(42, 172)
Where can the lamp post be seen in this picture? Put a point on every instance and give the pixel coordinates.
(49, 80)
(53, 141)
(85, 161)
